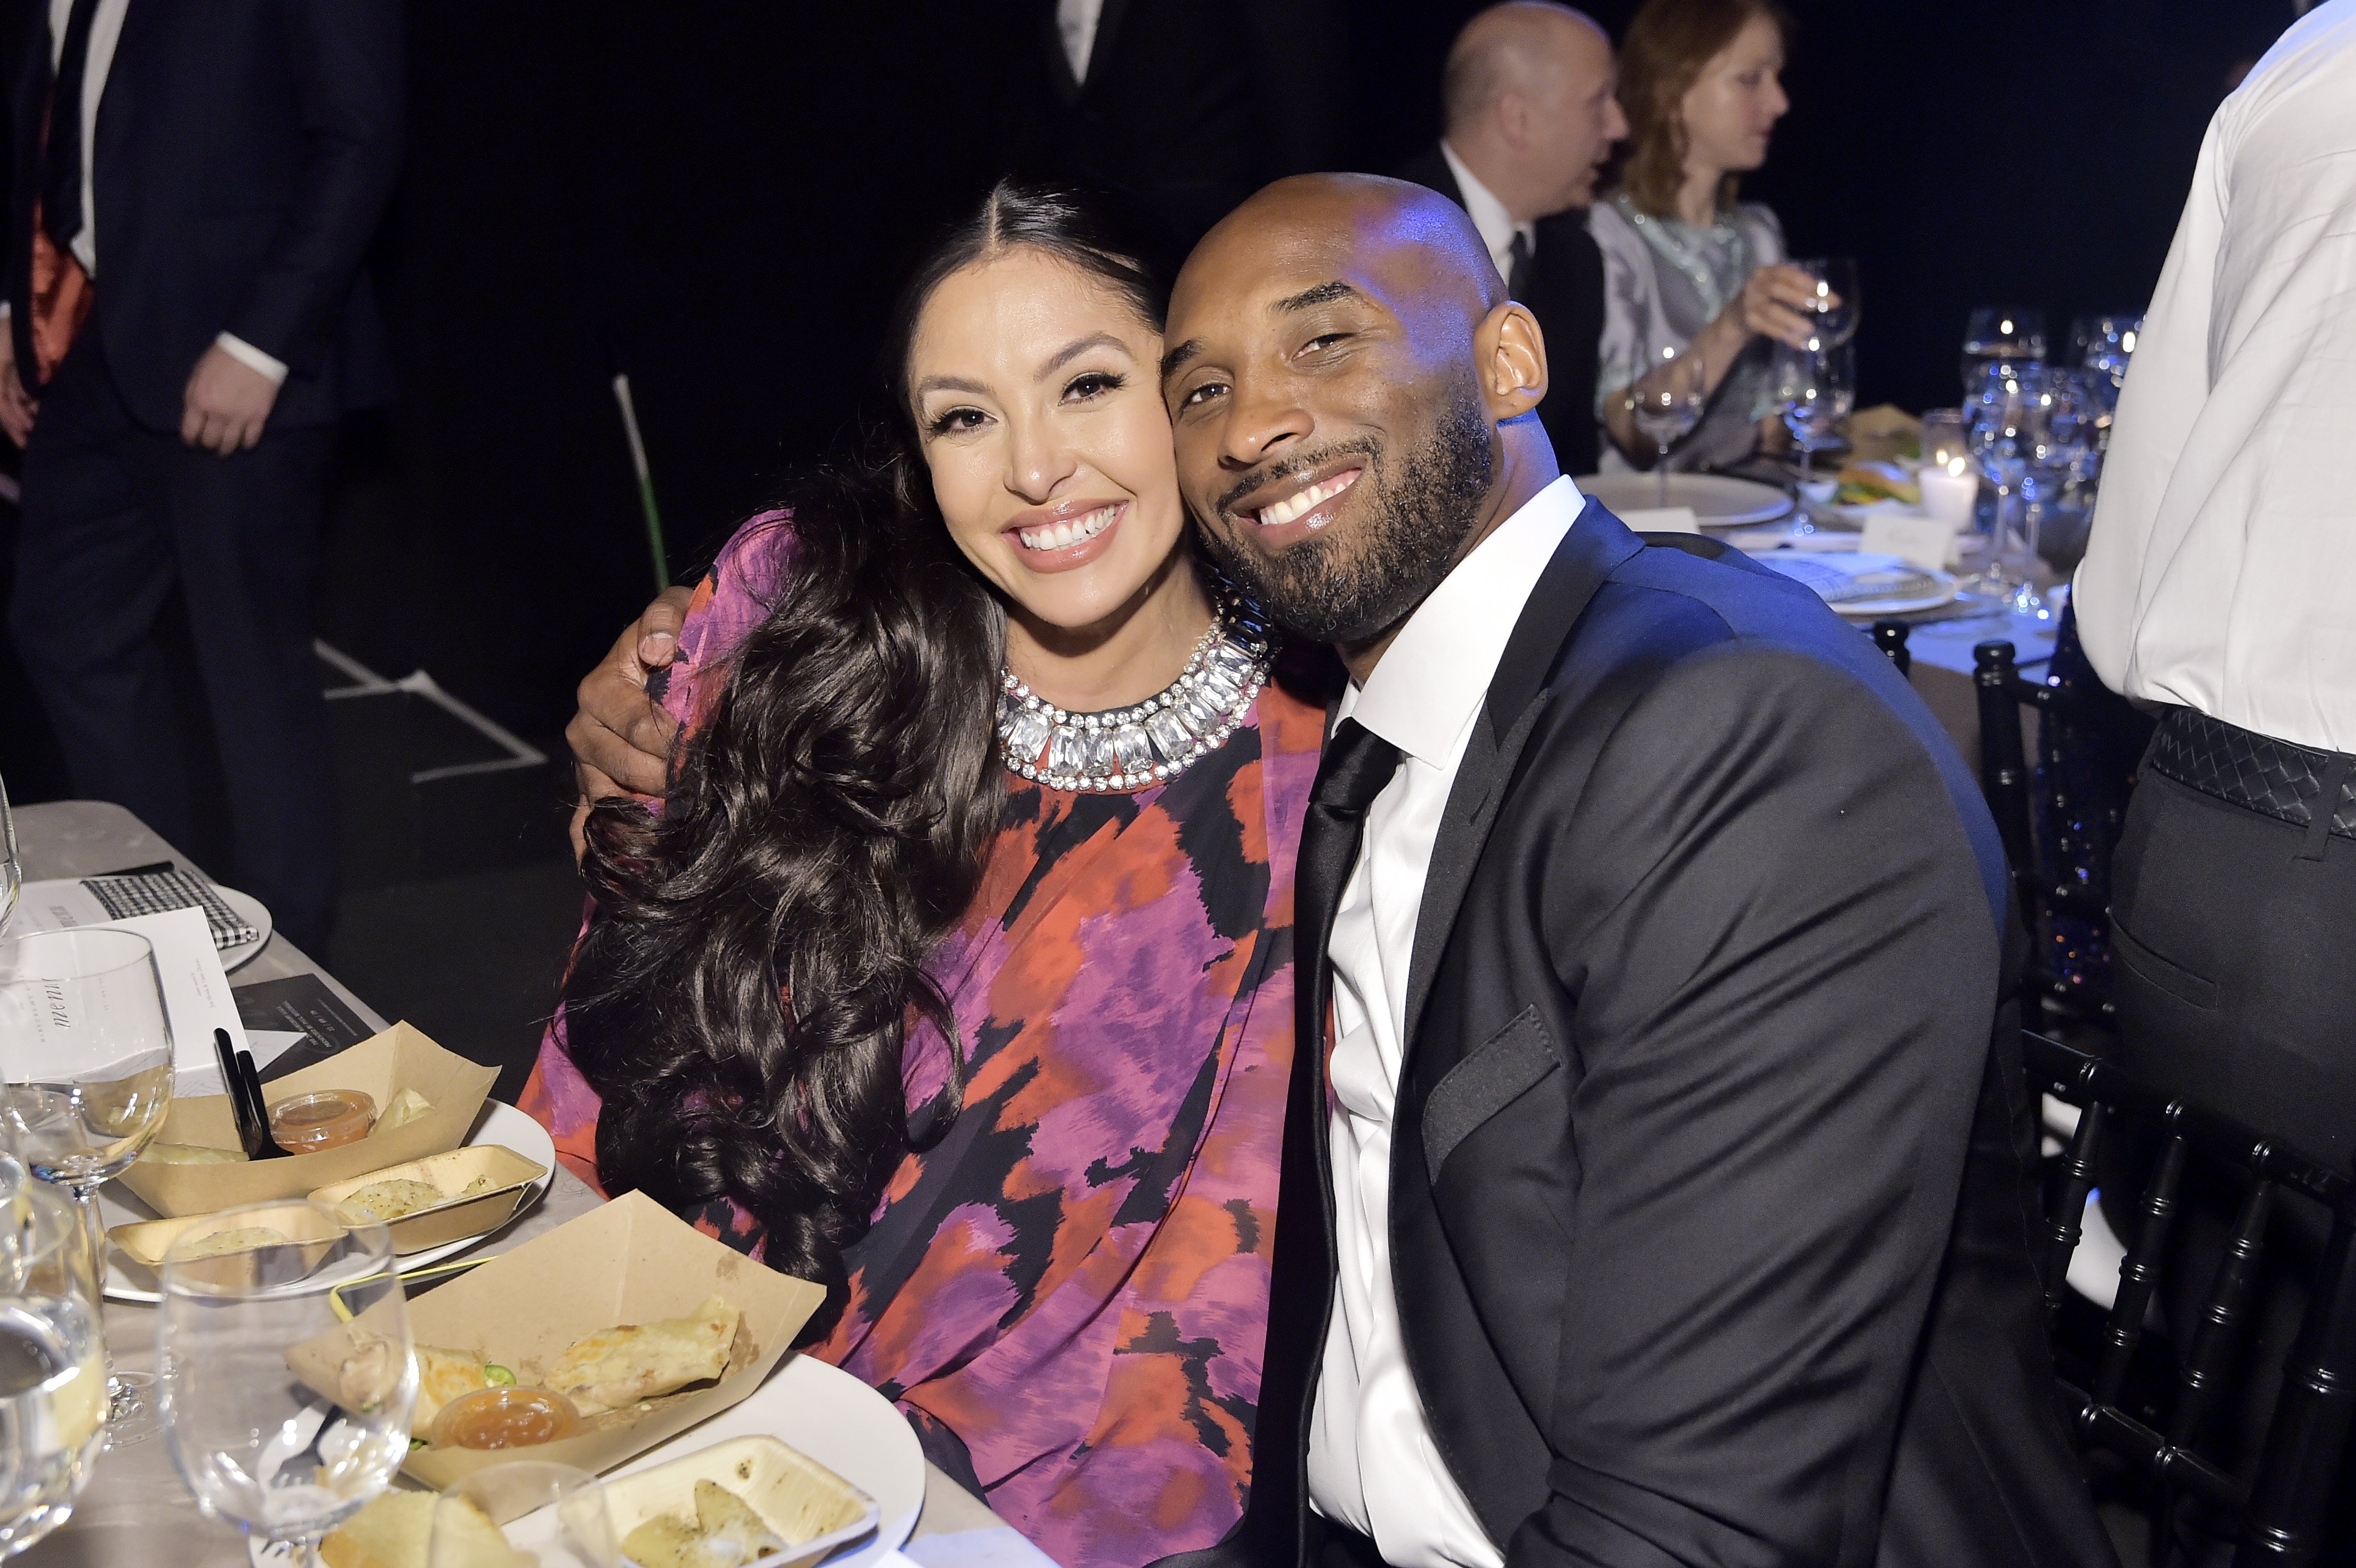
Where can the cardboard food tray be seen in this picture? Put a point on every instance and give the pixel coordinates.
(806, 1503)
(456, 1218)
(401, 1058)
(147, 1242)
(630, 1261)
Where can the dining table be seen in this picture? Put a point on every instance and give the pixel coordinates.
(135, 1511)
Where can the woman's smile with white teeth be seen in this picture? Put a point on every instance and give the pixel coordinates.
(1302, 501)
(1071, 530)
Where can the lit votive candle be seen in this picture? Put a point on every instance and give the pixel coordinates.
(1951, 490)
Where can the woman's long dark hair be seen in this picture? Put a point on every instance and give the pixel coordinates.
(742, 999)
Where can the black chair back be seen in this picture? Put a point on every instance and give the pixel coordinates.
(2281, 1512)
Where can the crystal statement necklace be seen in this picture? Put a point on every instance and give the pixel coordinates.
(1155, 740)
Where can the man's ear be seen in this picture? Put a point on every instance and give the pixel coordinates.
(1511, 353)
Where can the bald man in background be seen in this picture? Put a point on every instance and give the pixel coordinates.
(1531, 116)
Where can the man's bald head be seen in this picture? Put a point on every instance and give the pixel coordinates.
(1353, 398)
(1526, 101)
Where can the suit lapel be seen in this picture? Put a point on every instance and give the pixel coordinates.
(1108, 23)
(1596, 545)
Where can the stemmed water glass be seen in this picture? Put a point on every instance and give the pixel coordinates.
(1666, 402)
(12, 868)
(1999, 337)
(52, 1360)
(285, 1373)
(1839, 305)
(1816, 387)
(85, 1080)
(2005, 425)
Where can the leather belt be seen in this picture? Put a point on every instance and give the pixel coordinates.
(2277, 778)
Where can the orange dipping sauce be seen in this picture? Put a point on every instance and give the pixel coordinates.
(504, 1417)
(309, 1123)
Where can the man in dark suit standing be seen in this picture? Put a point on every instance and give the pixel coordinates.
(1531, 116)
(1189, 106)
(196, 181)
(1662, 1197)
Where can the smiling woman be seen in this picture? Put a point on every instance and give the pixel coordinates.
(988, 1032)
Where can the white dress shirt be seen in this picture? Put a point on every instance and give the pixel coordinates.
(105, 32)
(2221, 573)
(1372, 1462)
(1075, 24)
(1489, 216)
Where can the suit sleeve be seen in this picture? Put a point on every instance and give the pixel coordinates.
(1770, 915)
(349, 70)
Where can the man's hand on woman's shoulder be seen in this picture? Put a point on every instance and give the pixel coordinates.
(621, 738)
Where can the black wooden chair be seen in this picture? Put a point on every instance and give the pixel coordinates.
(2050, 896)
(2281, 1512)
(1890, 636)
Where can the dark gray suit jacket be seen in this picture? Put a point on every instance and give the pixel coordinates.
(1710, 1218)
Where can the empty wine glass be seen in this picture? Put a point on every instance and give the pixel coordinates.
(550, 1515)
(2005, 425)
(2003, 338)
(1839, 304)
(1666, 402)
(1815, 390)
(12, 868)
(52, 1361)
(286, 1376)
(87, 1054)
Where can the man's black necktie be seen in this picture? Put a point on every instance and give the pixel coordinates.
(1357, 764)
(1517, 268)
(62, 213)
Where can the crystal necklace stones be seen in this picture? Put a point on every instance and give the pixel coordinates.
(1154, 740)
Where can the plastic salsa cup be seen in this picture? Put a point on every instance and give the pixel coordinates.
(330, 1119)
(504, 1417)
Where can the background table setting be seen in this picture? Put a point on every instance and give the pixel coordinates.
(537, 1252)
(1961, 525)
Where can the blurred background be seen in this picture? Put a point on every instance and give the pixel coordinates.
(713, 197)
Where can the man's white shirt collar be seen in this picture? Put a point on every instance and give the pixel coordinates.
(1489, 215)
(1432, 680)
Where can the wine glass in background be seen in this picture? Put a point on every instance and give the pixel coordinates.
(1839, 304)
(1998, 338)
(1666, 402)
(1815, 390)
(52, 1360)
(2004, 426)
(287, 1377)
(12, 868)
(2105, 344)
(550, 1516)
(87, 1054)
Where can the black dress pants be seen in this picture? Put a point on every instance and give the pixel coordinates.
(114, 513)
(2235, 972)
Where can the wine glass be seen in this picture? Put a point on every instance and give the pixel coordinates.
(52, 1360)
(1816, 387)
(1665, 403)
(2005, 421)
(12, 868)
(551, 1516)
(286, 1376)
(2000, 337)
(87, 1054)
(1838, 303)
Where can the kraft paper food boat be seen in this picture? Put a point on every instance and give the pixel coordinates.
(146, 1244)
(454, 1218)
(630, 1261)
(806, 1504)
(401, 1058)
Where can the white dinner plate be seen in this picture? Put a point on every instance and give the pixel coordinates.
(1718, 501)
(836, 1420)
(1824, 571)
(255, 914)
(499, 1123)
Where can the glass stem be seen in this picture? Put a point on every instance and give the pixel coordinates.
(1661, 470)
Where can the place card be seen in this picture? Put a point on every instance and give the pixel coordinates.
(1661, 520)
(1923, 542)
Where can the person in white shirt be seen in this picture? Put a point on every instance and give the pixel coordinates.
(1658, 1198)
(2219, 586)
(1528, 119)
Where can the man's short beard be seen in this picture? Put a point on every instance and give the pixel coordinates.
(1350, 589)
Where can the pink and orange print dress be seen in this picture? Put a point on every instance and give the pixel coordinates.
(1067, 1295)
